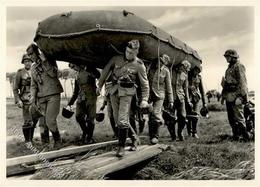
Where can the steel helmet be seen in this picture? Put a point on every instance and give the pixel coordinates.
(204, 111)
(67, 113)
(100, 116)
(231, 53)
(25, 57)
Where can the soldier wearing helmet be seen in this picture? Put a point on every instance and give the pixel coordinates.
(181, 96)
(127, 72)
(235, 93)
(22, 96)
(85, 94)
(196, 92)
(160, 87)
(45, 90)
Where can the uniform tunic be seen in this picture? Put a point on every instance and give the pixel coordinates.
(46, 87)
(21, 92)
(124, 78)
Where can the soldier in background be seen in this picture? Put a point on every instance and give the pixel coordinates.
(45, 93)
(160, 86)
(125, 71)
(196, 91)
(235, 93)
(180, 95)
(85, 94)
(22, 96)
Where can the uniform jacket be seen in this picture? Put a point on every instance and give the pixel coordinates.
(180, 86)
(235, 82)
(45, 79)
(196, 89)
(127, 72)
(22, 84)
(165, 86)
(84, 87)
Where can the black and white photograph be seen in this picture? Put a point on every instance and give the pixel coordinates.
(135, 92)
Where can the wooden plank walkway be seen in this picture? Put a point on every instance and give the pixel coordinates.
(97, 167)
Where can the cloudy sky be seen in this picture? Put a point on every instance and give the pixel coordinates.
(209, 30)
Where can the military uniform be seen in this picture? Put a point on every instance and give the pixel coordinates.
(159, 87)
(46, 89)
(235, 88)
(196, 92)
(124, 77)
(85, 93)
(22, 94)
(180, 95)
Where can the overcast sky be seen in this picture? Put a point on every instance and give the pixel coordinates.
(209, 30)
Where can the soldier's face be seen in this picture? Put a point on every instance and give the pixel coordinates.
(130, 54)
(32, 54)
(27, 64)
(228, 59)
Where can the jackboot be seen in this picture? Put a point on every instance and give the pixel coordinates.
(171, 129)
(45, 137)
(90, 131)
(31, 133)
(122, 133)
(57, 140)
(26, 133)
(83, 126)
(244, 132)
(181, 125)
(189, 124)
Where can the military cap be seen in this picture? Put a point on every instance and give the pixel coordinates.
(25, 57)
(232, 53)
(165, 59)
(133, 44)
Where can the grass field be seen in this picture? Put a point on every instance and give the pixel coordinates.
(213, 156)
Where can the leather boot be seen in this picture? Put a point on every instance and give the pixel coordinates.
(181, 125)
(171, 129)
(90, 130)
(26, 133)
(189, 124)
(244, 132)
(31, 133)
(57, 140)
(45, 137)
(122, 133)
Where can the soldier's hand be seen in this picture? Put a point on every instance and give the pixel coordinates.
(238, 101)
(144, 104)
(190, 105)
(20, 104)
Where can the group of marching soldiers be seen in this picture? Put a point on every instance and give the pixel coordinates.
(132, 89)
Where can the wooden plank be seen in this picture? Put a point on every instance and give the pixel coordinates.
(58, 153)
(127, 161)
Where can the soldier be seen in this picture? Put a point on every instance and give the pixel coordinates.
(22, 96)
(180, 96)
(125, 70)
(235, 93)
(46, 89)
(160, 85)
(196, 92)
(85, 93)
